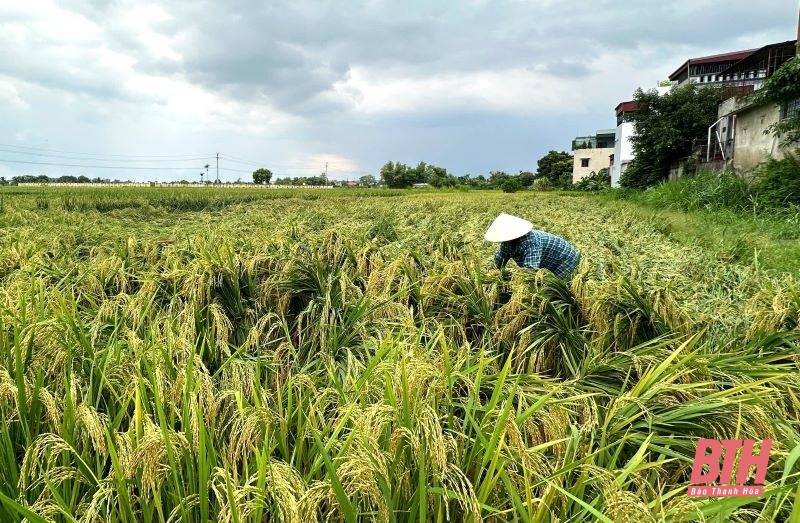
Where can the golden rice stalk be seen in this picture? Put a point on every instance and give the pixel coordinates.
(46, 509)
(41, 456)
(623, 506)
(185, 506)
(150, 455)
(283, 485)
(93, 426)
(101, 505)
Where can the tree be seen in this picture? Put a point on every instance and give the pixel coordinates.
(556, 168)
(262, 176)
(511, 184)
(496, 179)
(367, 181)
(783, 88)
(666, 129)
(437, 176)
(526, 178)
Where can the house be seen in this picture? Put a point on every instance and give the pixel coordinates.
(708, 70)
(623, 148)
(592, 153)
(758, 66)
(419, 185)
(739, 136)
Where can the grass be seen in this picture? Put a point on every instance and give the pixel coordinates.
(354, 358)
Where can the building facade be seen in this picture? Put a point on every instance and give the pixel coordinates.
(707, 70)
(742, 131)
(592, 153)
(623, 148)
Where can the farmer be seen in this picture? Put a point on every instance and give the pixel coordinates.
(531, 248)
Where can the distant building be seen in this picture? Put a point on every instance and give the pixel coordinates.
(623, 148)
(420, 185)
(592, 153)
(738, 137)
(749, 68)
(707, 69)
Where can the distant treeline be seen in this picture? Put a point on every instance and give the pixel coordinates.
(46, 179)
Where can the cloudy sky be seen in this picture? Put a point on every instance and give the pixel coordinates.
(471, 85)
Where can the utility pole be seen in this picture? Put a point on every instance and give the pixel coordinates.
(326, 173)
(217, 167)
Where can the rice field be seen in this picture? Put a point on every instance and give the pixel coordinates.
(174, 355)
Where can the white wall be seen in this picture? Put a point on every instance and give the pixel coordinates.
(598, 159)
(623, 151)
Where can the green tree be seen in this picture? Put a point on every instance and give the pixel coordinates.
(262, 176)
(367, 181)
(398, 175)
(511, 184)
(437, 176)
(496, 179)
(666, 129)
(526, 178)
(783, 88)
(556, 168)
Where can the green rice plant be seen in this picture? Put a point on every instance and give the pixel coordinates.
(252, 355)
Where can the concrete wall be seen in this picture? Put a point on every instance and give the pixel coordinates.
(623, 151)
(598, 159)
(751, 145)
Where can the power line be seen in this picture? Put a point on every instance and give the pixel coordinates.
(121, 167)
(176, 156)
(236, 159)
(102, 159)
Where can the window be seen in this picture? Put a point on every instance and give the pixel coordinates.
(584, 162)
(792, 109)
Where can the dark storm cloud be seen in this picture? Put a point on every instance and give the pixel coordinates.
(293, 52)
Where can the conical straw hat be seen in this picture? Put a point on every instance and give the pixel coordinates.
(506, 227)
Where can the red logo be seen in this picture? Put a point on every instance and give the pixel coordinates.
(723, 488)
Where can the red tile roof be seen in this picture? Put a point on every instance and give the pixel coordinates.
(625, 107)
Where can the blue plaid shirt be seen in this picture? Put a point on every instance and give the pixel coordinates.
(539, 249)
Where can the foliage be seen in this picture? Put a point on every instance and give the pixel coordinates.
(353, 360)
(511, 185)
(709, 190)
(543, 184)
(399, 176)
(781, 88)
(367, 181)
(315, 181)
(777, 182)
(262, 176)
(666, 129)
(556, 167)
(526, 178)
(596, 181)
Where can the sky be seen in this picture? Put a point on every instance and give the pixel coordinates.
(470, 85)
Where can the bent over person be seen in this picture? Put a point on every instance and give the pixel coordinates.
(531, 248)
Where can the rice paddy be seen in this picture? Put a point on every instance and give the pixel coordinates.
(206, 355)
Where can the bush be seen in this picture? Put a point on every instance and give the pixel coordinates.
(511, 185)
(706, 190)
(542, 184)
(777, 182)
(595, 182)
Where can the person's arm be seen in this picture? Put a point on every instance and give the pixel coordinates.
(502, 255)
